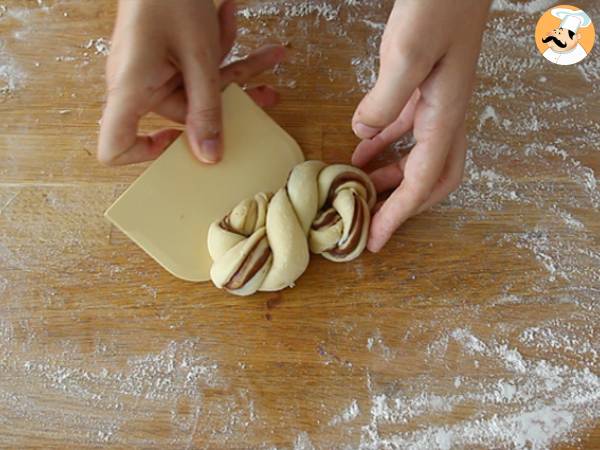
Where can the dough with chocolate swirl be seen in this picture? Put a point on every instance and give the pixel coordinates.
(264, 243)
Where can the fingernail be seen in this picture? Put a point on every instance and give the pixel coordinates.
(364, 131)
(210, 150)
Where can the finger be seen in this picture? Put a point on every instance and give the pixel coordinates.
(452, 176)
(404, 65)
(423, 167)
(449, 90)
(403, 203)
(175, 106)
(384, 103)
(390, 176)
(126, 103)
(147, 148)
(438, 117)
(264, 96)
(257, 62)
(370, 148)
(227, 27)
(202, 87)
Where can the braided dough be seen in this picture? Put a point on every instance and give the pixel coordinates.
(263, 243)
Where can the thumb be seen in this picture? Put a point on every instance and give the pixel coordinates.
(203, 121)
(404, 65)
(397, 81)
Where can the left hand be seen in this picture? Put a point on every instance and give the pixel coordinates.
(169, 60)
(428, 56)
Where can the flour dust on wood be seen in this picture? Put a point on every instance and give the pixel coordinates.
(545, 388)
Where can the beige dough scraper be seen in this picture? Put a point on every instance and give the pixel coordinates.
(168, 209)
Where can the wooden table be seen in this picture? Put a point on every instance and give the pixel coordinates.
(477, 326)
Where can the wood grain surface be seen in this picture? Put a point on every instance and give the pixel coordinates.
(475, 327)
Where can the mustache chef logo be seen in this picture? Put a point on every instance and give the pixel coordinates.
(556, 41)
(565, 35)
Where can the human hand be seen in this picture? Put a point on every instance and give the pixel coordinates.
(166, 58)
(428, 55)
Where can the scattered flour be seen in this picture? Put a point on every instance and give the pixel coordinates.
(532, 402)
(101, 46)
(303, 442)
(12, 75)
(590, 70)
(530, 7)
(489, 113)
(541, 403)
(331, 18)
(568, 219)
(177, 373)
(375, 343)
(366, 74)
(291, 9)
(568, 260)
(347, 415)
(575, 340)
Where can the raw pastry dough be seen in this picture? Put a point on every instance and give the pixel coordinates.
(263, 243)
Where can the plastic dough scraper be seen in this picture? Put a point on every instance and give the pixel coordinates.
(168, 209)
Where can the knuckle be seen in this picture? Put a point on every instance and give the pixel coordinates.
(126, 83)
(408, 55)
(202, 55)
(202, 116)
(126, 90)
(416, 198)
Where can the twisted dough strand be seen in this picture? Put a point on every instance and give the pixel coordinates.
(263, 243)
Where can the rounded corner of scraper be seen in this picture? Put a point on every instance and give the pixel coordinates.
(189, 277)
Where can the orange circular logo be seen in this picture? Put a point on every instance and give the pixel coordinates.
(565, 35)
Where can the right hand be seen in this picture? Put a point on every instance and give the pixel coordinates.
(166, 58)
(428, 57)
